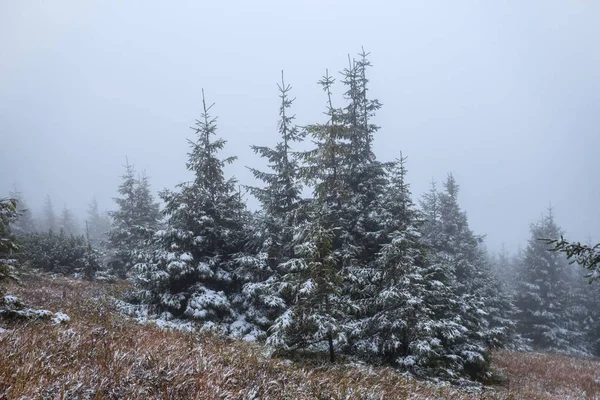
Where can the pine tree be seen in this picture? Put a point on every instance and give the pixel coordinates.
(367, 177)
(200, 266)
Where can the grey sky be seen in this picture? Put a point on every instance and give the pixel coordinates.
(505, 95)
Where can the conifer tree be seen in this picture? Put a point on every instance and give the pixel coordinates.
(543, 293)
(322, 243)
(366, 179)
(458, 266)
(317, 313)
(397, 323)
(133, 223)
(280, 200)
(200, 267)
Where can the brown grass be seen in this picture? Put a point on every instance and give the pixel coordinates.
(101, 355)
(538, 376)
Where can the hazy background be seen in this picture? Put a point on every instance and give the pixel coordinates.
(505, 95)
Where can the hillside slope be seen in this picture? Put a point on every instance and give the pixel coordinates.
(99, 354)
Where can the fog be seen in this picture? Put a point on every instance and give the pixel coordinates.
(504, 95)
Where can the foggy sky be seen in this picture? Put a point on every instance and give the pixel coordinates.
(505, 95)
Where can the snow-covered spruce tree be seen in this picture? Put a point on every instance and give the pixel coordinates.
(119, 238)
(133, 223)
(462, 286)
(199, 266)
(543, 293)
(326, 245)
(24, 223)
(49, 223)
(397, 323)
(279, 198)
(440, 291)
(366, 179)
(362, 178)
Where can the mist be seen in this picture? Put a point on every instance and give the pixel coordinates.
(505, 96)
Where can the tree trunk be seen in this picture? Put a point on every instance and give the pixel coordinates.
(331, 350)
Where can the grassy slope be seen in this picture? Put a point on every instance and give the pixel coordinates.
(99, 354)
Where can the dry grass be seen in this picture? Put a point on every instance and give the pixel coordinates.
(537, 376)
(101, 355)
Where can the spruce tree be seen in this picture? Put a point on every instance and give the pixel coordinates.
(458, 265)
(322, 242)
(316, 315)
(396, 323)
(280, 200)
(199, 267)
(366, 179)
(133, 223)
(543, 293)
